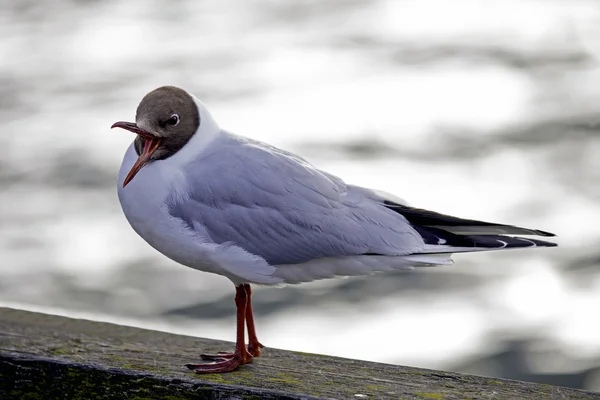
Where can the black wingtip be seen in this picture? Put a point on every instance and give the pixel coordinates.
(426, 218)
(544, 233)
(507, 242)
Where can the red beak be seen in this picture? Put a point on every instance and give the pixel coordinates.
(151, 143)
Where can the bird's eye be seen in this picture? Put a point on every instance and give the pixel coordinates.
(174, 120)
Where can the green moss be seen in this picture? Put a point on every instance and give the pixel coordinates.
(284, 380)
(246, 377)
(135, 350)
(141, 367)
(301, 353)
(544, 387)
(80, 382)
(493, 382)
(59, 351)
(435, 396)
(91, 385)
(215, 378)
(29, 396)
(252, 397)
(242, 376)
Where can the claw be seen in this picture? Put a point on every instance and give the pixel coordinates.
(216, 367)
(223, 362)
(254, 348)
(222, 355)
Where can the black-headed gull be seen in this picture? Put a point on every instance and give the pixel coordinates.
(226, 204)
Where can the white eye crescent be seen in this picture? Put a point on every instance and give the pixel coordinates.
(174, 120)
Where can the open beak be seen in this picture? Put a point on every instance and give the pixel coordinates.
(151, 143)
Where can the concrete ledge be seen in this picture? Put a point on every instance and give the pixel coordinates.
(49, 357)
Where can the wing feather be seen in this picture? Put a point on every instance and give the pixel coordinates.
(272, 208)
(277, 206)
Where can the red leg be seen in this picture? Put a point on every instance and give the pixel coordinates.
(254, 345)
(229, 362)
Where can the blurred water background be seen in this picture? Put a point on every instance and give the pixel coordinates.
(481, 109)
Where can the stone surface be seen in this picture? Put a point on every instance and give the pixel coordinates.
(50, 357)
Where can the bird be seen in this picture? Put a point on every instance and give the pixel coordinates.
(226, 204)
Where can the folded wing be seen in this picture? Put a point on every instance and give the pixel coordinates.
(275, 205)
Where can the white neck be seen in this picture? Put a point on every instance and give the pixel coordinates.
(207, 132)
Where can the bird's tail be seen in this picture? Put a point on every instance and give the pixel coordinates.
(446, 234)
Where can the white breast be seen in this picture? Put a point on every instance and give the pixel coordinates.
(145, 204)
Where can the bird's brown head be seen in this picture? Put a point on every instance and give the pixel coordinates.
(165, 120)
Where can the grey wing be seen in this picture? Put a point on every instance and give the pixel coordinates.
(277, 206)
